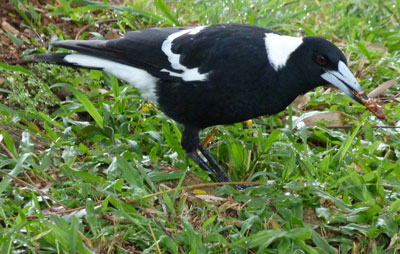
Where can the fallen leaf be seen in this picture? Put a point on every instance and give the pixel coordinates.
(378, 47)
(249, 123)
(199, 192)
(145, 109)
(210, 198)
(234, 222)
(382, 88)
(110, 35)
(333, 118)
(301, 101)
(103, 91)
(356, 166)
(9, 28)
(274, 223)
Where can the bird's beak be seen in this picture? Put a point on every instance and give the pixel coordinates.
(345, 81)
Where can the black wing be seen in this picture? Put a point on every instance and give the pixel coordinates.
(204, 49)
(140, 49)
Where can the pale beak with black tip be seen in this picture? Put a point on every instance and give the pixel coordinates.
(345, 81)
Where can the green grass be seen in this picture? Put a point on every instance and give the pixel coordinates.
(90, 190)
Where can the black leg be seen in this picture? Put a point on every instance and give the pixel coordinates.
(220, 173)
(190, 143)
(202, 164)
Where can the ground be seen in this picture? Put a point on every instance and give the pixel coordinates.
(88, 167)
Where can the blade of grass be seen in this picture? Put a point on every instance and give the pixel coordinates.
(162, 6)
(15, 68)
(8, 140)
(92, 6)
(17, 4)
(4, 110)
(349, 141)
(17, 169)
(85, 102)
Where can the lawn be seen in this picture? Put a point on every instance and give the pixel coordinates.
(87, 166)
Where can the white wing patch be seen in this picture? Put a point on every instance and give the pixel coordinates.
(279, 48)
(188, 74)
(140, 79)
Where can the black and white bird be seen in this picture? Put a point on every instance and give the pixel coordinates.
(211, 75)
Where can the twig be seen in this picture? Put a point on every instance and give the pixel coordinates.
(155, 219)
(351, 126)
(195, 186)
(374, 127)
(155, 239)
(86, 240)
(209, 137)
(33, 187)
(7, 151)
(114, 220)
(80, 32)
(21, 61)
(31, 182)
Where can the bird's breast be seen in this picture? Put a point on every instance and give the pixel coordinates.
(207, 104)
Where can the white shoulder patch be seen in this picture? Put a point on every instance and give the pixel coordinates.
(188, 74)
(139, 78)
(279, 48)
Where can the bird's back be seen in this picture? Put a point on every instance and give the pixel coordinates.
(199, 76)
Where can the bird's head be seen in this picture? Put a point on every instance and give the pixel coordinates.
(316, 62)
(326, 64)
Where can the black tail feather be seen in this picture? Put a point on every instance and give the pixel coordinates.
(93, 48)
(58, 58)
(52, 58)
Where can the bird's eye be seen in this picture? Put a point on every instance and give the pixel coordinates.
(322, 60)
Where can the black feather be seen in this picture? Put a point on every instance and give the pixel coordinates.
(58, 58)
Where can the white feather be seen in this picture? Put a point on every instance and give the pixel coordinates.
(139, 78)
(279, 48)
(188, 74)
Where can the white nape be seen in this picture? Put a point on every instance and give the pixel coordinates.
(188, 74)
(140, 79)
(279, 48)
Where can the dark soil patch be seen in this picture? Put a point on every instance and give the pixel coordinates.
(40, 144)
(9, 16)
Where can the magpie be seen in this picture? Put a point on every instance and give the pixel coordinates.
(214, 75)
